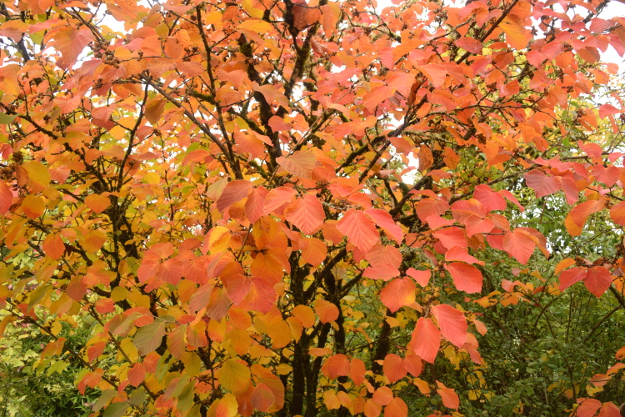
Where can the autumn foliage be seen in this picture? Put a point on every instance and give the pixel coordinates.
(288, 208)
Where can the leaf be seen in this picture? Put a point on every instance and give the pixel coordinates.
(577, 217)
(396, 408)
(452, 323)
(598, 280)
(449, 397)
(154, 110)
(426, 339)
(38, 175)
(357, 371)
(520, 245)
(335, 366)
(359, 229)
(436, 73)
(383, 395)
(262, 398)
(6, 198)
(588, 407)
(326, 311)
(384, 221)
(116, 409)
(315, 251)
(70, 43)
(422, 277)
(53, 246)
(300, 163)
(307, 214)
(617, 213)
(149, 337)
(234, 376)
(541, 183)
(398, 293)
(466, 277)
(305, 315)
(136, 374)
(394, 368)
(469, 44)
(97, 202)
(278, 197)
(235, 191)
(5, 119)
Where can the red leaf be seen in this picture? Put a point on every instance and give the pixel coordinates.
(542, 183)
(469, 44)
(384, 221)
(398, 293)
(307, 214)
(422, 277)
(233, 192)
(598, 280)
(570, 277)
(588, 407)
(359, 229)
(452, 236)
(426, 339)
(466, 277)
(452, 323)
(520, 245)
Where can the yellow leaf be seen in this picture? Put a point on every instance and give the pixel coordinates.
(255, 25)
(38, 175)
(234, 376)
(33, 206)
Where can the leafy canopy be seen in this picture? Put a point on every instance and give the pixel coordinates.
(290, 208)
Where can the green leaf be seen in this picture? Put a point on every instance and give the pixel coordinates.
(149, 337)
(5, 119)
(116, 410)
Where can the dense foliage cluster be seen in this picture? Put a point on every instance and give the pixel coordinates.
(214, 208)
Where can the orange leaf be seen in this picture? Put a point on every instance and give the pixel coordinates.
(398, 293)
(315, 251)
(53, 246)
(359, 229)
(262, 398)
(136, 374)
(97, 202)
(6, 197)
(452, 323)
(278, 197)
(383, 395)
(449, 397)
(579, 214)
(422, 277)
(588, 407)
(372, 409)
(326, 311)
(307, 214)
(469, 44)
(384, 221)
(305, 315)
(235, 191)
(300, 163)
(70, 43)
(33, 206)
(154, 110)
(598, 280)
(436, 73)
(617, 213)
(394, 368)
(426, 339)
(335, 366)
(357, 371)
(396, 408)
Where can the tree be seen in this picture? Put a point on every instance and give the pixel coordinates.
(305, 208)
